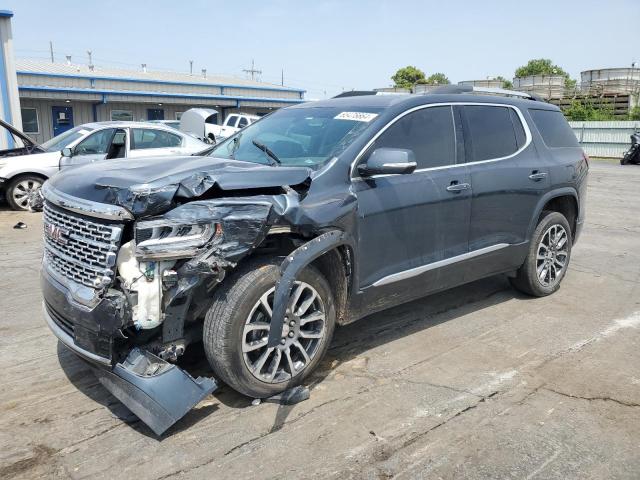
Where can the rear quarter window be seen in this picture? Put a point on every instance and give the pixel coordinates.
(491, 132)
(553, 128)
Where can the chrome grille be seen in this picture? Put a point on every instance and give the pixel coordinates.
(80, 249)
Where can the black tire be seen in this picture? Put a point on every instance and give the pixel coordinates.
(526, 279)
(14, 184)
(232, 304)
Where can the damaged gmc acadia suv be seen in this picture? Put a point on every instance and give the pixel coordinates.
(315, 216)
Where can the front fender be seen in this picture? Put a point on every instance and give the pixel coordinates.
(295, 262)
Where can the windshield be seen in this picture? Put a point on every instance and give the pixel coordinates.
(297, 136)
(61, 141)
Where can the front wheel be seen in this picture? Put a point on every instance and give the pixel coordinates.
(237, 327)
(21, 190)
(548, 258)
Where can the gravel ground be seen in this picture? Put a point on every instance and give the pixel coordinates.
(477, 382)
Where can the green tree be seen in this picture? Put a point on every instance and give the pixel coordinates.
(408, 76)
(634, 114)
(438, 79)
(505, 83)
(544, 66)
(586, 110)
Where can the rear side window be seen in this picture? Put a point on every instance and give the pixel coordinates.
(144, 138)
(429, 132)
(554, 129)
(491, 132)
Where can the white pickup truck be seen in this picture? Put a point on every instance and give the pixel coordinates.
(203, 123)
(233, 123)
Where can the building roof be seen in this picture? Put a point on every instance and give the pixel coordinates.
(40, 67)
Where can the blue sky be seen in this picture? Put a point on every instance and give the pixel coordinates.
(327, 46)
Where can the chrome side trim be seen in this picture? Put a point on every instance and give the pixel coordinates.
(395, 277)
(67, 340)
(85, 207)
(525, 126)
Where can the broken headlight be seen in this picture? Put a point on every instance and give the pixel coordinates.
(156, 239)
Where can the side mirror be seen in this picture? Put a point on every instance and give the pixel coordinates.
(67, 152)
(388, 161)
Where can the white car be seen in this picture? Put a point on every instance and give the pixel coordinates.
(23, 170)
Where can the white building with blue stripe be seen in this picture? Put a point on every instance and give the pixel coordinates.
(57, 96)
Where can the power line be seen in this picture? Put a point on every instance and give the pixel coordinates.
(252, 71)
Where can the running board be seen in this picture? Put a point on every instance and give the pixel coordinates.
(157, 392)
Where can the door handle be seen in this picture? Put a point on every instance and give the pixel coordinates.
(537, 176)
(458, 187)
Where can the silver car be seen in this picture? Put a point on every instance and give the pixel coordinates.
(23, 170)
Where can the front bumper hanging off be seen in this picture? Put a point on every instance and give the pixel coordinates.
(157, 392)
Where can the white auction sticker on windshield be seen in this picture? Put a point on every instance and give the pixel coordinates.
(357, 116)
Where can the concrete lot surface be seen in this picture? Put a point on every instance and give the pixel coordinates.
(478, 382)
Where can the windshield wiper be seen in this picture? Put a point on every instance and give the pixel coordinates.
(267, 150)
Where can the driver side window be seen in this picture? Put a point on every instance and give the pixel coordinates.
(95, 144)
(428, 132)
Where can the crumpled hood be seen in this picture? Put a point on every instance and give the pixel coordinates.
(151, 186)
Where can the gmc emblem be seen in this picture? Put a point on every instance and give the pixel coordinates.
(55, 233)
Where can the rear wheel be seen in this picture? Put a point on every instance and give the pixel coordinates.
(238, 323)
(22, 189)
(548, 258)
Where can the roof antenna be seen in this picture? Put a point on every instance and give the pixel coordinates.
(68, 59)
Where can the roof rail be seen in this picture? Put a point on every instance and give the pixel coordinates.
(448, 89)
(355, 93)
(361, 93)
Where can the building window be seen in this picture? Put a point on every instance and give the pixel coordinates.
(179, 115)
(122, 115)
(30, 123)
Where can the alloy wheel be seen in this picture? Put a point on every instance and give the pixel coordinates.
(552, 255)
(24, 191)
(303, 331)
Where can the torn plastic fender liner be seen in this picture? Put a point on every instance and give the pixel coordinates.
(289, 270)
(158, 392)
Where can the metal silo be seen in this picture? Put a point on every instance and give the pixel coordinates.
(611, 81)
(489, 83)
(545, 86)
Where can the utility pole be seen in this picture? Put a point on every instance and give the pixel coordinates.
(51, 50)
(190, 67)
(252, 71)
(89, 54)
(282, 78)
